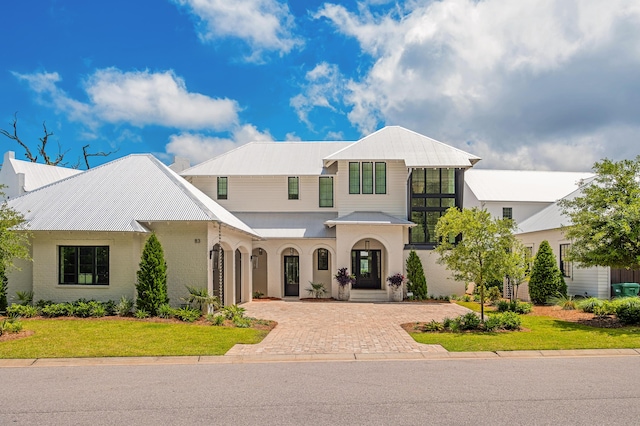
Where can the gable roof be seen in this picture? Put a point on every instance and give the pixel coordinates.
(398, 143)
(522, 185)
(118, 196)
(550, 217)
(268, 159)
(37, 175)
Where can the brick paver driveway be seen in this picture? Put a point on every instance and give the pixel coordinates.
(340, 327)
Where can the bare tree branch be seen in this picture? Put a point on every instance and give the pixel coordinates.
(94, 154)
(16, 138)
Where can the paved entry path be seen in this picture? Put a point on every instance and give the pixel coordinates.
(341, 327)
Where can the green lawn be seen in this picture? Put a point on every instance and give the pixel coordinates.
(67, 338)
(545, 333)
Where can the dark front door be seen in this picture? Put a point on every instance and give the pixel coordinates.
(291, 276)
(365, 265)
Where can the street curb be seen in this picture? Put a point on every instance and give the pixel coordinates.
(331, 357)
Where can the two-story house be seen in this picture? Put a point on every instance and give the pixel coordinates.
(267, 217)
(320, 206)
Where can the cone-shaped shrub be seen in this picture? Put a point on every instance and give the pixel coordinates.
(416, 282)
(152, 278)
(546, 279)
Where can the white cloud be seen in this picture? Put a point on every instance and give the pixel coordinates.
(198, 148)
(142, 98)
(262, 24)
(529, 81)
(138, 98)
(322, 89)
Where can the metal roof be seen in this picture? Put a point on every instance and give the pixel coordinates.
(398, 143)
(550, 217)
(269, 158)
(522, 185)
(121, 196)
(37, 175)
(289, 225)
(368, 218)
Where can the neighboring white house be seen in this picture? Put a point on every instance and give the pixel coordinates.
(518, 194)
(268, 216)
(547, 225)
(20, 177)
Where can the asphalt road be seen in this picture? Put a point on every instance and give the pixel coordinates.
(600, 391)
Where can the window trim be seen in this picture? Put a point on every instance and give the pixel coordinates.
(95, 273)
(324, 265)
(380, 187)
(429, 198)
(565, 265)
(354, 177)
(320, 180)
(222, 195)
(290, 194)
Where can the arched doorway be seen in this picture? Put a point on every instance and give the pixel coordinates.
(366, 265)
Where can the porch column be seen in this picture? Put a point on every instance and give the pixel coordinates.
(274, 274)
(306, 273)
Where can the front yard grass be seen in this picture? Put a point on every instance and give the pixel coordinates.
(541, 333)
(72, 338)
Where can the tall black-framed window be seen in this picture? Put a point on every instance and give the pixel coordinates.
(354, 178)
(323, 259)
(432, 192)
(381, 178)
(85, 265)
(367, 178)
(565, 264)
(294, 188)
(223, 188)
(326, 191)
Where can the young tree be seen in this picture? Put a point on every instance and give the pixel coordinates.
(14, 243)
(546, 279)
(476, 247)
(416, 281)
(152, 277)
(605, 218)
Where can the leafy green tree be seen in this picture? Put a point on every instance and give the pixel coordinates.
(605, 217)
(546, 279)
(14, 243)
(416, 281)
(476, 247)
(152, 277)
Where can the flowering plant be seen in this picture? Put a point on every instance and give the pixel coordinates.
(343, 277)
(395, 279)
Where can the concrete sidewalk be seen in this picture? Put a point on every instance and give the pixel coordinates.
(235, 359)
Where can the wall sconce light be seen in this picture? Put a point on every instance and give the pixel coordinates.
(366, 245)
(197, 240)
(260, 252)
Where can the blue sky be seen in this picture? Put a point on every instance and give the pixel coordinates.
(532, 84)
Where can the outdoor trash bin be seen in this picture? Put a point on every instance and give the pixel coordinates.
(625, 289)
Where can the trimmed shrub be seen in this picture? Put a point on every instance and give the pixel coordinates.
(515, 306)
(416, 281)
(141, 314)
(233, 311)
(54, 310)
(216, 319)
(187, 314)
(469, 321)
(152, 278)
(10, 325)
(546, 279)
(166, 311)
(124, 306)
(22, 311)
(433, 325)
(628, 310)
(493, 294)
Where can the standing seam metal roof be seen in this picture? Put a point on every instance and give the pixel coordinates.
(116, 195)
